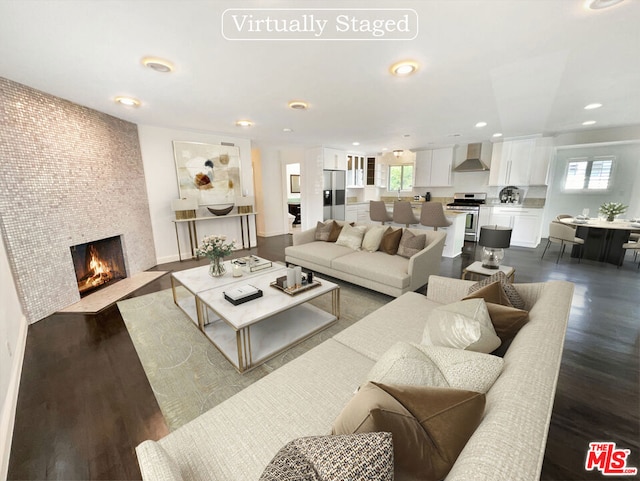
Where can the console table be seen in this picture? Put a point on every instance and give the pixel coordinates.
(193, 233)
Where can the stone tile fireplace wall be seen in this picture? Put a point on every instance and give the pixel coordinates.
(68, 175)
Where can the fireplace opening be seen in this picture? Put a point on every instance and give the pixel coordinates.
(98, 264)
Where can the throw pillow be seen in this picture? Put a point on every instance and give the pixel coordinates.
(462, 325)
(323, 230)
(511, 292)
(390, 241)
(418, 365)
(372, 238)
(411, 244)
(506, 319)
(351, 236)
(354, 456)
(430, 425)
(335, 232)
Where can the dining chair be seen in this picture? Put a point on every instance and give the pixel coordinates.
(563, 216)
(562, 234)
(378, 211)
(635, 246)
(432, 215)
(403, 213)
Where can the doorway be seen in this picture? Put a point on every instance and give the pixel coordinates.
(294, 207)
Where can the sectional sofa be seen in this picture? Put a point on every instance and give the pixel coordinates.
(238, 438)
(390, 274)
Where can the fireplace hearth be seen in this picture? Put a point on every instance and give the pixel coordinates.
(98, 263)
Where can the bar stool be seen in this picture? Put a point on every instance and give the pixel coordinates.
(403, 213)
(432, 215)
(378, 212)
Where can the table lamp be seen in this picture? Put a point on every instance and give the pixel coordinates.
(493, 239)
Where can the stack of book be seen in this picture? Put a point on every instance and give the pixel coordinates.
(241, 294)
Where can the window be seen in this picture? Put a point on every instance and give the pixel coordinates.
(400, 177)
(585, 174)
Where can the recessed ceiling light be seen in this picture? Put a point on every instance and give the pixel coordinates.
(497, 134)
(128, 101)
(589, 122)
(157, 64)
(481, 124)
(592, 106)
(406, 136)
(455, 135)
(404, 68)
(355, 143)
(600, 4)
(298, 105)
(244, 123)
(287, 129)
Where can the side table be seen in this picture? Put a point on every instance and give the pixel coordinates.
(475, 271)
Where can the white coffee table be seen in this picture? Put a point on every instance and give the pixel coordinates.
(251, 333)
(197, 280)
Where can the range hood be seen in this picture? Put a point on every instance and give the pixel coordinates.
(473, 162)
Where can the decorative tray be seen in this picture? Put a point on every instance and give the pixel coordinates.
(294, 291)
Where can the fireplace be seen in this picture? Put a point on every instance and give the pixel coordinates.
(98, 264)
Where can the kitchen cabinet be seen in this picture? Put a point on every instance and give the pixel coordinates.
(525, 223)
(371, 171)
(333, 159)
(520, 162)
(355, 170)
(357, 212)
(381, 175)
(433, 168)
(351, 213)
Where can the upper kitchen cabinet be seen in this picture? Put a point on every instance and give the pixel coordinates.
(355, 170)
(433, 167)
(333, 159)
(520, 162)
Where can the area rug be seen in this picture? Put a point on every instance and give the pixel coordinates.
(188, 374)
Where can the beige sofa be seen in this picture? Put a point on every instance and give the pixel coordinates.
(237, 439)
(390, 274)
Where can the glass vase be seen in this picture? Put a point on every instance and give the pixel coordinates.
(216, 267)
(611, 217)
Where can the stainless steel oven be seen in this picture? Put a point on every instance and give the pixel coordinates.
(469, 203)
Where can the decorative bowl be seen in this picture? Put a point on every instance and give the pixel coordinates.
(222, 210)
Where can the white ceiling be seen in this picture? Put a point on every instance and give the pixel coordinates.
(523, 66)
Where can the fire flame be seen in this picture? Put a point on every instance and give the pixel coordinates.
(101, 272)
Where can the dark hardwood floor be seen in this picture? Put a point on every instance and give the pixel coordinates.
(85, 402)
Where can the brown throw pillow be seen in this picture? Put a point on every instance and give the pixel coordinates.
(430, 425)
(511, 292)
(391, 241)
(411, 244)
(323, 230)
(506, 319)
(335, 232)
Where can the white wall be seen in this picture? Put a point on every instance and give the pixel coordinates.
(13, 336)
(162, 186)
(625, 182)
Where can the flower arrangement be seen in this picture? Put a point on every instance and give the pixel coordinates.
(612, 209)
(214, 246)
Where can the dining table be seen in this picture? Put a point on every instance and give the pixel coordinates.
(603, 239)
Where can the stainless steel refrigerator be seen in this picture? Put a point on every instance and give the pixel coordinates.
(334, 194)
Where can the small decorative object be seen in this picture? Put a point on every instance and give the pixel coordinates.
(215, 248)
(298, 271)
(236, 270)
(309, 277)
(291, 278)
(494, 239)
(221, 211)
(612, 209)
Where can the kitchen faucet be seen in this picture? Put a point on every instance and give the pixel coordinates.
(398, 194)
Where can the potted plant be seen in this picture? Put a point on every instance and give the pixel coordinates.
(612, 209)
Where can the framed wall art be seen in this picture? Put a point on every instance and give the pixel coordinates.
(294, 181)
(208, 172)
